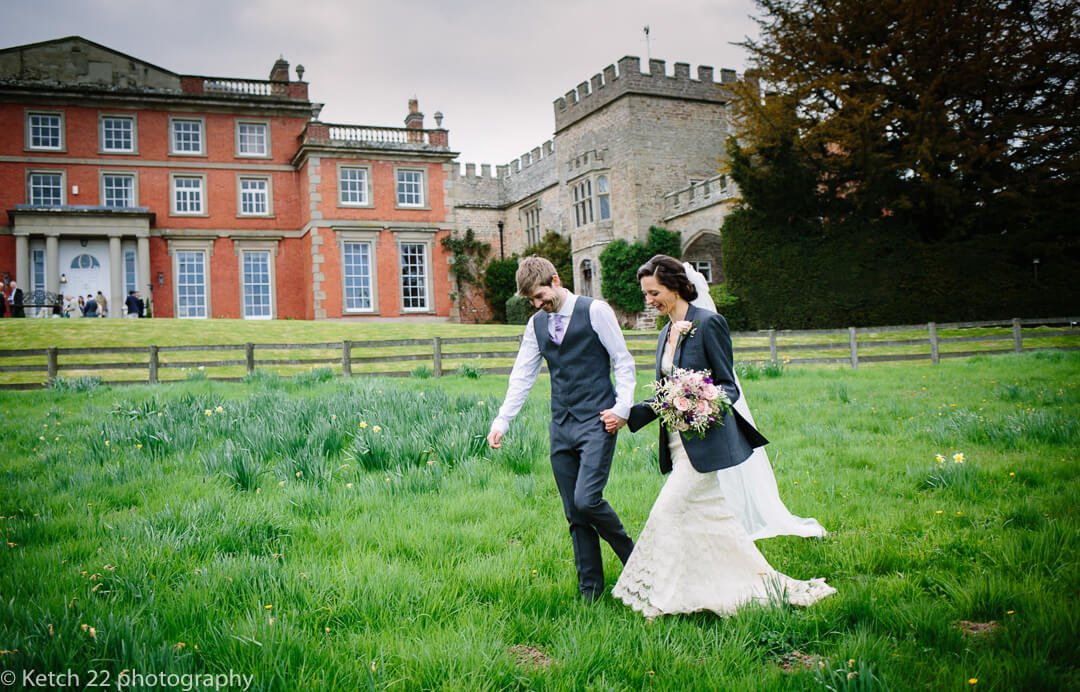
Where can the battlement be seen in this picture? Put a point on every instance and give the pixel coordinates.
(628, 78)
(519, 165)
(700, 195)
(534, 170)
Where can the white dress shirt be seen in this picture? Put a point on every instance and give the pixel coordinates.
(527, 366)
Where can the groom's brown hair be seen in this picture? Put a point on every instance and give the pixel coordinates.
(534, 271)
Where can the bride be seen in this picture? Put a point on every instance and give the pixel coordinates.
(695, 552)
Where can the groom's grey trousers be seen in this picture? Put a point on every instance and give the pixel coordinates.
(581, 453)
(581, 450)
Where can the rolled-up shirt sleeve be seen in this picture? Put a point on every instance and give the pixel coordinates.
(522, 377)
(607, 329)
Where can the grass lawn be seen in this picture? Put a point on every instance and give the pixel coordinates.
(319, 533)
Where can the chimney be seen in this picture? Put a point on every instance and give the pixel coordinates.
(280, 71)
(415, 119)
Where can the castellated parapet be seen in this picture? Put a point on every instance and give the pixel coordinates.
(534, 170)
(629, 79)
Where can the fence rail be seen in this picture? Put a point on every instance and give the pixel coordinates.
(403, 357)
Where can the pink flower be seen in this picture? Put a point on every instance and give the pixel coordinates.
(710, 392)
(682, 326)
(702, 407)
(682, 403)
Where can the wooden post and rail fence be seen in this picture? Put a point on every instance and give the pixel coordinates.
(495, 354)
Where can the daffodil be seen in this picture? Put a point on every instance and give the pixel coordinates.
(939, 458)
(363, 424)
(208, 412)
(376, 429)
(219, 409)
(958, 457)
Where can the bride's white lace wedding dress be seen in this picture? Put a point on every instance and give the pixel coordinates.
(694, 554)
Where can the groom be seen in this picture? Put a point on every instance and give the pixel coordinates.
(580, 339)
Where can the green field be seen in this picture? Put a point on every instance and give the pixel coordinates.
(266, 528)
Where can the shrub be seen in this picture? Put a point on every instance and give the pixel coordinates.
(500, 285)
(421, 372)
(87, 383)
(518, 310)
(468, 370)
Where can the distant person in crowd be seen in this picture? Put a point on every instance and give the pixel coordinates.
(142, 304)
(15, 300)
(90, 306)
(102, 305)
(131, 303)
(3, 302)
(72, 307)
(82, 305)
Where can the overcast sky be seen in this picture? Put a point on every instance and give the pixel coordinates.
(493, 67)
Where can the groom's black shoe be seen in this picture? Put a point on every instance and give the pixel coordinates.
(591, 596)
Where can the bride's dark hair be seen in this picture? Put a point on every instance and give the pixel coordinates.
(669, 272)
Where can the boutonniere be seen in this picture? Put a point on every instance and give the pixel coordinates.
(684, 328)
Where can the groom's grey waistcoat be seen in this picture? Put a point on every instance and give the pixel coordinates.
(580, 367)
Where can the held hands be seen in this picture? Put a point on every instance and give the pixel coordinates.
(494, 439)
(612, 422)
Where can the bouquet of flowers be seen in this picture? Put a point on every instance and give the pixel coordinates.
(688, 401)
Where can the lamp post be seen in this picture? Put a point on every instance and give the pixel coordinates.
(1035, 267)
(501, 255)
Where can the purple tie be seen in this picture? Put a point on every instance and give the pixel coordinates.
(560, 329)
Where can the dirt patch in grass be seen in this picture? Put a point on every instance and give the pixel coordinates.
(526, 656)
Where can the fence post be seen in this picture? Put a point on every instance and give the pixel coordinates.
(52, 355)
(249, 352)
(437, 348)
(854, 348)
(1018, 337)
(346, 358)
(153, 379)
(772, 345)
(935, 355)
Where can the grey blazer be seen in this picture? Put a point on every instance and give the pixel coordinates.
(709, 349)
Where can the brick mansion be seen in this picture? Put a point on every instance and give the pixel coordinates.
(228, 197)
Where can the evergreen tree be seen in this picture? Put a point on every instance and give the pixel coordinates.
(937, 119)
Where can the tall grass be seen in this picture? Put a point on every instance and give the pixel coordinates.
(330, 534)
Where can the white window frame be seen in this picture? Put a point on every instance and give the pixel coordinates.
(61, 144)
(131, 271)
(425, 241)
(703, 267)
(102, 140)
(131, 175)
(267, 192)
(583, 208)
(30, 187)
(37, 269)
(240, 142)
(365, 191)
(174, 208)
(244, 249)
(531, 213)
(204, 248)
(603, 197)
(421, 190)
(174, 150)
(371, 239)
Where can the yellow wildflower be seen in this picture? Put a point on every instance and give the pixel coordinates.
(363, 424)
(219, 409)
(973, 681)
(376, 429)
(958, 457)
(939, 458)
(268, 606)
(209, 412)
